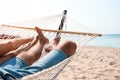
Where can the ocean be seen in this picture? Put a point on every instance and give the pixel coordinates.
(107, 40)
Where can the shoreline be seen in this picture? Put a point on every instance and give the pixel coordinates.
(93, 63)
(101, 47)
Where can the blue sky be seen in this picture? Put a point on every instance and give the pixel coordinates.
(102, 16)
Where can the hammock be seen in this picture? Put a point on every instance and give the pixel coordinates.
(49, 25)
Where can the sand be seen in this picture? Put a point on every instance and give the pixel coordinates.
(93, 63)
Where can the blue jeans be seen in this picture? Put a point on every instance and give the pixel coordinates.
(18, 68)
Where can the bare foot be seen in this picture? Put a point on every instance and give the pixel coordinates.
(56, 40)
(53, 44)
(42, 38)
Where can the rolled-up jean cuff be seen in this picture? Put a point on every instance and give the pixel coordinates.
(52, 58)
(15, 63)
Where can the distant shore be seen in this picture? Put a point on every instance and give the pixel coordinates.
(93, 63)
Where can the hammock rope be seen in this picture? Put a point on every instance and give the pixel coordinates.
(51, 73)
(18, 31)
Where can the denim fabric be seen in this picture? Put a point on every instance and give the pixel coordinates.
(17, 68)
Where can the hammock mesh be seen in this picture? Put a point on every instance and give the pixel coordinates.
(52, 23)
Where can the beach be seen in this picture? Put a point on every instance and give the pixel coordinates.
(93, 63)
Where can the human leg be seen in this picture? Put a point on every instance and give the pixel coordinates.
(58, 54)
(68, 47)
(34, 52)
(12, 44)
(14, 53)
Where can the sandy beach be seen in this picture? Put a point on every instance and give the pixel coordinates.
(93, 63)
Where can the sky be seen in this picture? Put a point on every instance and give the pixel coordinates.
(102, 16)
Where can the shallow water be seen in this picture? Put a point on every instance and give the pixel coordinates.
(107, 40)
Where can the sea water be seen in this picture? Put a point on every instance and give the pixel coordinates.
(107, 40)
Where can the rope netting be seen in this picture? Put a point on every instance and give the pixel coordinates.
(49, 25)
